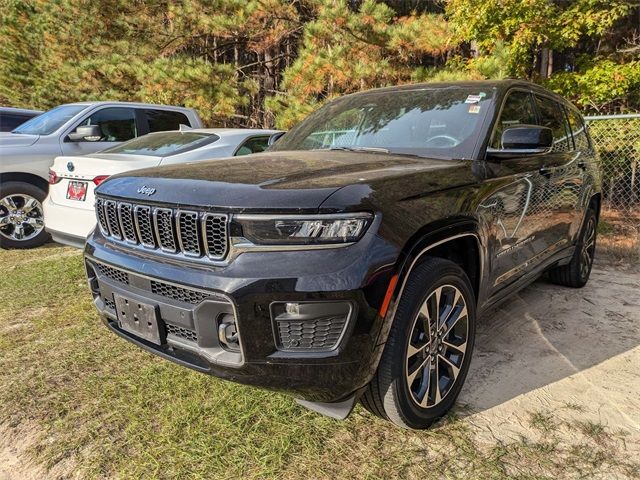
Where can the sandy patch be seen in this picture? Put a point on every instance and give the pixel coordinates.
(14, 465)
(561, 362)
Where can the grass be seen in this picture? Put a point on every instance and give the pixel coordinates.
(542, 421)
(592, 429)
(103, 408)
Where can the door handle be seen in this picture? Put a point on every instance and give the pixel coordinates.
(546, 172)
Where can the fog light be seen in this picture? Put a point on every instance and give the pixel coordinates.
(228, 333)
(292, 308)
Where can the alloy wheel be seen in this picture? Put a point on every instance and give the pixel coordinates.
(21, 217)
(437, 346)
(588, 248)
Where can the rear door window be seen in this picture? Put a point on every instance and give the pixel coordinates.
(163, 120)
(117, 124)
(253, 145)
(518, 109)
(552, 116)
(579, 130)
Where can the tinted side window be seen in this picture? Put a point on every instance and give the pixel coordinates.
(518, 109)
(253, 145)
(552, 116)
(9, 121)
(117, 124)
(163, 120)
(579, 130)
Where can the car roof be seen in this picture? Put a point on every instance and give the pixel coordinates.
(227, 132)
(129, 104)
(18, 110)
(501, 85)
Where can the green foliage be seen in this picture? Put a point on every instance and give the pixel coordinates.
(602, 85)
(345, 50)
(266, 62)
(525, 27)
(510, 36)
(69, 50)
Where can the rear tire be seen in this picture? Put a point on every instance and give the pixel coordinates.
(576, 273)
(21, 215)
(431, 338)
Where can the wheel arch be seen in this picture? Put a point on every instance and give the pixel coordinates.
(458, 240)
(24, 177)
(441, 239)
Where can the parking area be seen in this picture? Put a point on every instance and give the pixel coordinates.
(553, 360)
(553, 390)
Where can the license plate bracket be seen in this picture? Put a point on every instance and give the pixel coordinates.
(138, 318)
(77, 190)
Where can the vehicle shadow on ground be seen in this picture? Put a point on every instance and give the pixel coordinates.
(546, 333)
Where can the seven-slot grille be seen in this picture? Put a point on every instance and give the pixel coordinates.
(194, 234)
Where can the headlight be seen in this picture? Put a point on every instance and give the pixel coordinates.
(304, 229)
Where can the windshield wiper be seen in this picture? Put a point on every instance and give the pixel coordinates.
(355, 149)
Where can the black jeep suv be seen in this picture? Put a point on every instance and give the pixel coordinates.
(352, 259)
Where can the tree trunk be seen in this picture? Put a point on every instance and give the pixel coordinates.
(544, 62)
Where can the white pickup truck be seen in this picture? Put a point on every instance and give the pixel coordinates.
(72, 129)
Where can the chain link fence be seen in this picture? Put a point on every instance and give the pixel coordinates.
(617, 139)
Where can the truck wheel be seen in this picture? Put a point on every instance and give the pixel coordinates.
(576, 273)
(428, 351)
(21, 215)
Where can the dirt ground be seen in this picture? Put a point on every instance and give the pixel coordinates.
(551, 364)
(555, 362)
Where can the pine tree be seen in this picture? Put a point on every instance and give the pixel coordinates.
(345, 50)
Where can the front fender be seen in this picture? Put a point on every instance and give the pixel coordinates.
(420, 244)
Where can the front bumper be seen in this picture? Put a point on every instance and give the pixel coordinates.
(190, 297)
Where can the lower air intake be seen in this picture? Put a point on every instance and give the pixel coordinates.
(310, 326)
(319, 334)
(182, 332)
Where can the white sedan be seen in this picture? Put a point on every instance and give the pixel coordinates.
(69, 208)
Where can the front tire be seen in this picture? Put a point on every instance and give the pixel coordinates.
(428, 351)
(21, 215)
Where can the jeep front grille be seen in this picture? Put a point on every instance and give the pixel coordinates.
(175, 231)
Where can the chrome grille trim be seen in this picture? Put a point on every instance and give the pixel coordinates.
(215, 253)
(127, 227)
(102, 219)
(165, 233)
(144, 225)
(111, 212)
(189, 234)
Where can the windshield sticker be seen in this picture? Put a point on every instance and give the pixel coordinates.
(473, 98)
(474, 108)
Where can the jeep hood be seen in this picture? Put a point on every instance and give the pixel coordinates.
(270, 181)
(8, 139)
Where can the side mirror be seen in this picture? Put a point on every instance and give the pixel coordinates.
(274, 138)
(523, 140)
(86, 133)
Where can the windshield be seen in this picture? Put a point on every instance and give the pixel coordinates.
(164, 144)
(50, 121)
(431, 122)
